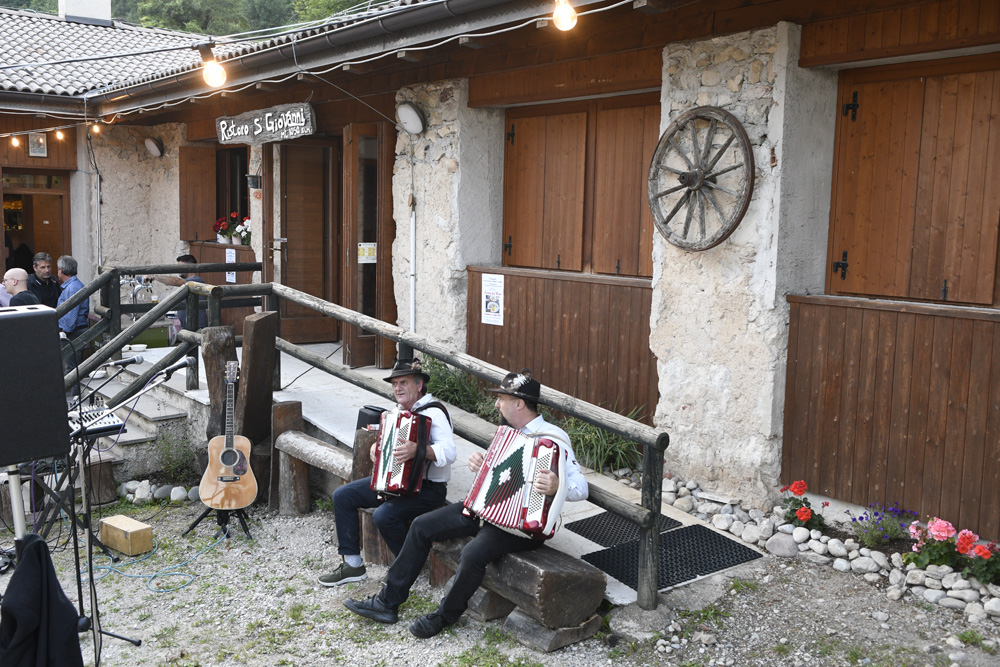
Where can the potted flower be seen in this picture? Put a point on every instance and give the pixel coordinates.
(242, 232)
(222, 230)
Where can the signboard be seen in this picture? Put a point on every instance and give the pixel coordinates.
(230, 259)
(279, 123)
(366, 253)
(492, 291)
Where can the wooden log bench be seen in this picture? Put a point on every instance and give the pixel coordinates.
(548, 597)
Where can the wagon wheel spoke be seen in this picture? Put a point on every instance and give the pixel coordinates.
(695, 151)
(673, 142)
(669, 191)
(721, 152)
(724, 171)
(687, 218)
(677, 206)
(715, 205)
(701, 214)
(716, 186)
(708, 140)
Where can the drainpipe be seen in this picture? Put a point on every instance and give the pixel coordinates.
(413, 262)
(100, 233)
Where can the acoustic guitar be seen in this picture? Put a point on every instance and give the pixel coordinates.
(228, 482)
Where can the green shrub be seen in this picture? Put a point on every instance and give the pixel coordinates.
(178, 463)
(597, 448)
(460, 389)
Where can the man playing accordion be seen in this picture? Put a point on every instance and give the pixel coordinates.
(517, 402)
(409, 385)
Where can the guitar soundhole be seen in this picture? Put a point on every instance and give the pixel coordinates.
(229, 457)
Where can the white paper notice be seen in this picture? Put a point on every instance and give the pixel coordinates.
(366, 253)
(230, 259)
(492, 290)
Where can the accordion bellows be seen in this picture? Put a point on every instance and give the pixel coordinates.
(389, 476)
(503, 492)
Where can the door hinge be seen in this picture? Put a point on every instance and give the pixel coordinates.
(618, 267)
(510, 135)
(841, 266)
(852, 107)
(509, 245)
(944, 290)
(558, 261)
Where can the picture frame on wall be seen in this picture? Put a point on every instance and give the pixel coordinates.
(38, 145)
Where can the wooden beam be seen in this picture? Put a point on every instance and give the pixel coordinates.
(357, 68)
(411, 56)
(471, 42)
(265, 87)
(542, 23)
(659, 6)
(301, 76)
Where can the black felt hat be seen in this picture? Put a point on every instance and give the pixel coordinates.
(522, 385)
(401, 367)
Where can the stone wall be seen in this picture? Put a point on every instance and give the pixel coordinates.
(719, 317)
(454, 170)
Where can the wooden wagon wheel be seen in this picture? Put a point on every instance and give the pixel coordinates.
(701, 178)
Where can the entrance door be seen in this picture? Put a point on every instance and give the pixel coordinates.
(35, 216)
(368, 232)
(306, 258)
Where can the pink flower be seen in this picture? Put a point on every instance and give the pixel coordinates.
(915, 530)
(940, 529)
(966, 540)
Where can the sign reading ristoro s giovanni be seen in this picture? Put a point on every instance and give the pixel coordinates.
(286, 121)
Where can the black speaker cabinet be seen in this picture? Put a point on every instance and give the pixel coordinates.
(33, 421)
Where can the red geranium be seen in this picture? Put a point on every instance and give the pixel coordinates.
(803, 514)
(982, 551)
(220, 226)
(798, 488)
(966, 540)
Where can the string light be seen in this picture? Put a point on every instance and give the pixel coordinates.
(564, 15)
(213, 73)
(14, 141)
(95, 128)
(59, 135)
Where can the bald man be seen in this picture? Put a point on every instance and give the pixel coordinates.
(15, 281)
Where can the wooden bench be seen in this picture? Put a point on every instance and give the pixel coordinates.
(549, 598)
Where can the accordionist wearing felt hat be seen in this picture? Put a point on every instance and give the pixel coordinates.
(393, 513)
(517, 401)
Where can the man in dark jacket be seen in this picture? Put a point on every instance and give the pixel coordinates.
(42, 283)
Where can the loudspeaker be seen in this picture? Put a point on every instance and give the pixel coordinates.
(33, 422)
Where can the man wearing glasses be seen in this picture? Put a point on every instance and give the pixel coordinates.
(15, 281)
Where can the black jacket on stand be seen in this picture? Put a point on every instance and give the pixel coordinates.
(38, 623)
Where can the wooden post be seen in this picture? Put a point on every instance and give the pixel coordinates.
(191, 324)
(274, 305)
(649, 536)
(253, 407)
(218, 346)
(293, 495)
(215, 309)
(114, 298)
(285, 416)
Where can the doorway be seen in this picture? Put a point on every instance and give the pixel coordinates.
(35, 217)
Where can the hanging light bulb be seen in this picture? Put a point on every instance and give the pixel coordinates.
(95, 128)
(564, 15)
(59, 135)
(213, 73)
(14, 141)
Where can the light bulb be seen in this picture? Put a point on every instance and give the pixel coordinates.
(214, 73)
(564, 15)
(95, 128)
(59, 134)
(14, 141)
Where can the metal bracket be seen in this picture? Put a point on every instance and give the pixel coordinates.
(852, 107)
(841, 266)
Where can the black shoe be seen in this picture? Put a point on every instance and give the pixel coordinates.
(428, 626)
(373, 608)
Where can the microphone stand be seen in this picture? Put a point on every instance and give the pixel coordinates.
(93, 393)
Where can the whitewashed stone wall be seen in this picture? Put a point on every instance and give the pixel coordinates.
(139, 216)
(719, 317)
(454, 169)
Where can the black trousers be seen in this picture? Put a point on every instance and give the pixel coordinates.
(489, 544)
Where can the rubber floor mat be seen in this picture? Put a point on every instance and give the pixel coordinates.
(609, 529)
(686, 553)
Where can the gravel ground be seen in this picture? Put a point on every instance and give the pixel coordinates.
(257, 603)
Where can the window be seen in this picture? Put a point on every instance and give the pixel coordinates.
(575, 186)
(915, 206)
(232, 193)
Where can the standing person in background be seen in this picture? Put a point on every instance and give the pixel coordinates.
(41, 283)
(176, 281)
(75, 322)
(15, 281)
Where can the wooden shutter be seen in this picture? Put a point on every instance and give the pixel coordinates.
(196, 168)
(543, 191)
(915, 203)
(623, 223)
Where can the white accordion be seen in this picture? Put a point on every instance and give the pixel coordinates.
(503, 493)
(389, 476)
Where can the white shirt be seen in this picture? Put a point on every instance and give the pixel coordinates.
(578, 489)
(442, 441)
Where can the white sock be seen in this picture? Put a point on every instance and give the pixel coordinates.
(353, 561)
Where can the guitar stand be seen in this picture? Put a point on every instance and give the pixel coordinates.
(222, 518)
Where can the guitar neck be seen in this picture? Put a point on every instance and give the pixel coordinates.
(229, 416)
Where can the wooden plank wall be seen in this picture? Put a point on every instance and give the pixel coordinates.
(893, 402)
(919, 28)
(61, 153)
(585, 335)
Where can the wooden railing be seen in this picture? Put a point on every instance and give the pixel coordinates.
(646, 515)
(896, 402)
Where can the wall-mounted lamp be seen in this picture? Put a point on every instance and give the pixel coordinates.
(411, 118)
(253, 181)
(154, 146)
(212, 71)
(564, 16)
(14, 141)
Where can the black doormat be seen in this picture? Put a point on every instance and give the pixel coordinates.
(609, 529)
(685, 554)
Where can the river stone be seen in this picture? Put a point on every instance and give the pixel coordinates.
(783, 546)
(952, 603)
(723, 521)
(131, 486)
(881, 560)
(938, 571)
(684, 504)
(194, 493)
(162, 492)
(178, 493)
(836, 548)
(683, 492)
(894, 593)
(872, 577)
(818, 547)
(800, 534)
(863, 564)
(786, 528)
(932, 583)
(966, 595)
(842, 565)
(669, 498)
(751, 533)
(755, 515)
(954, 580)
(934, 596)
(975, 609)
(992, 606)
(766, 529)
(727, 509)
(897, 560)
(815, 558)
(669, 486)
(737, 528)
(143, 492)
(709, 508)
(896, 577)
(915, 577)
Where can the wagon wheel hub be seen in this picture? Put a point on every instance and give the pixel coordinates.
(692, 180)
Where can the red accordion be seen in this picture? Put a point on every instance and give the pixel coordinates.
(398, 427)
(503, 493)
